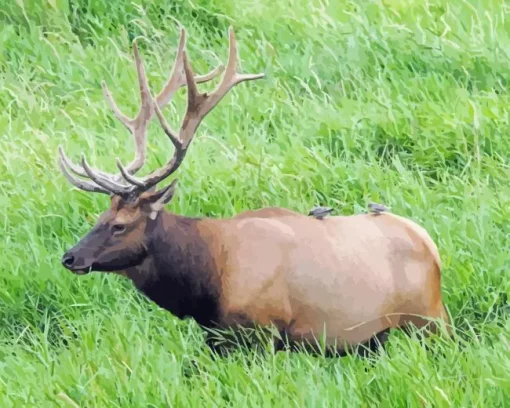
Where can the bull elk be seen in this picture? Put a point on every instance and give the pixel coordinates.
(347, 278)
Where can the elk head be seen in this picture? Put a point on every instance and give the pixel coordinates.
(120, 237)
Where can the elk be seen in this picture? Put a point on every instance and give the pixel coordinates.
(347, 278)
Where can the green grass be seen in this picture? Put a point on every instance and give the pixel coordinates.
(400, 102)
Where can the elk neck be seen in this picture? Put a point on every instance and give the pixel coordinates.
(179, 273)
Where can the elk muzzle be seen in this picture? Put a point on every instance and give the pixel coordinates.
(76, 263)
(80, 259)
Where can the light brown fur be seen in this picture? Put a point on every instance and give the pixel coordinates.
(353, 276)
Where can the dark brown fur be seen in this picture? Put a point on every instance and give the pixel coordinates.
(179, 274)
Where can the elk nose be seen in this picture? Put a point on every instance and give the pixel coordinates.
(68, 260)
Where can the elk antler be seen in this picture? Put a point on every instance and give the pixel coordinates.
(199, 105)
(115, 184)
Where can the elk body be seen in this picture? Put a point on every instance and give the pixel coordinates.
(346, 278)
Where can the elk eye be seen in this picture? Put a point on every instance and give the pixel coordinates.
(117, 228)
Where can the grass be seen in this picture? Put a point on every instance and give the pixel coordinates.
(400, 102)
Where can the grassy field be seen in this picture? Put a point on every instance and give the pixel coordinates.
(400, 102)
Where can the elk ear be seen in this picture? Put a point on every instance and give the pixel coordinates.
(156, 201)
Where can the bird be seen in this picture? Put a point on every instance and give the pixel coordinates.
(377, 208)
(320, 212)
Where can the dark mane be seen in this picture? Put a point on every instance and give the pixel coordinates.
(183, 278)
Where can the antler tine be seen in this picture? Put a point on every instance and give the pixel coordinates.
(173, 82)
(113, 106)
(128, 177)
(199, 105)
(144, 89)
(66, 164)
(179, 154)
(138, 125)
(231, 77)
(177, 142)
(81, 184)
(102, 181)
(74, 168)
(177, 78)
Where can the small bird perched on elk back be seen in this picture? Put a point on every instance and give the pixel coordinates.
(377, 208)
(320, 212)
(270, 266)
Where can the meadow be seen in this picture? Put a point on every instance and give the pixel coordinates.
(405, 103)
